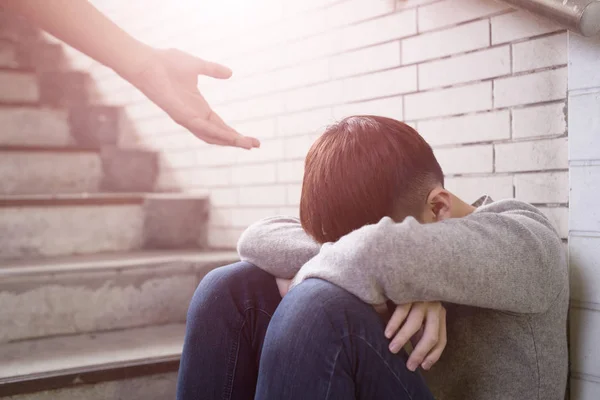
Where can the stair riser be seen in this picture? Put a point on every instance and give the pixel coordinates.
(57, 172)
(89, 127)
(47, 230)
(96, 301)
(28, 126)
(39, 56)
(18, 87)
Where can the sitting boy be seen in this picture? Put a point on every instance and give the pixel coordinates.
(377, 225)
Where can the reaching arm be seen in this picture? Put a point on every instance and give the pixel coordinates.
(167, 77)
(504, 256)
(277, 245)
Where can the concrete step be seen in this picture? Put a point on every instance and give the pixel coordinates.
(50, 88)
(73, 295)
(46, 170)
(131, 364)
(34, 126)
(19, 87)
(36, 56)
(45, 226)
(17, 29)
(89, 126)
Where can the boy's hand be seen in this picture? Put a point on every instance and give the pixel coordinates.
(425, 322)
(283, 285)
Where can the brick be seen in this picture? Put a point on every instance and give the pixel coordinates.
(254, 173)
(585, 186)
(543, 187)
(314, 96)
(545, 52)
(366, 60)
(290, 211)
(18, 87)
(298, 146)
(351, 11)
(535, 121)
(439, 44)
(532, 88)
(472, 188)
(293, 194)
(290, 171)
(519, 25)
(451, 12)
(204, 177)
(390, 107)
(179, 159)
(254, 108)
(313, 121)
(466, 129)
(465, 68)
(223, 197)
(532, 156)
(217, 156)
(387, 83)
(585, 355)
(465, 160)
(312, 47)
(584, 126)
(559, 217)
(263, 195)
(584, 260)
(262, 128)
(300, 75)
(224, 238)
(270, 150)
(243, 217)
(583, 389)
(379, 30)
(584, 62)
(408, 4)
(243, 88)
(439, 103)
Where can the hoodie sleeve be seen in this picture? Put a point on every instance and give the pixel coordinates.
(277, 245)
(505, 256)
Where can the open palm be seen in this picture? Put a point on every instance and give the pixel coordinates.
(170, 79)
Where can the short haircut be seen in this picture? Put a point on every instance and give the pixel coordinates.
(362, 169)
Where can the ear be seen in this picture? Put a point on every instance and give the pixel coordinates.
(439, 202)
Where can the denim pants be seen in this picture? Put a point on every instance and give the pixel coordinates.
(320, 342)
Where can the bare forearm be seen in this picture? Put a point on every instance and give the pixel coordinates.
(79, 24)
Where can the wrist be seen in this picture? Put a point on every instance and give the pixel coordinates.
(131, 58)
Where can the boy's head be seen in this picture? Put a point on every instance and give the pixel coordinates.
(367, 167)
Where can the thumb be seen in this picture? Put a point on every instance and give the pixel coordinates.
(212, 69)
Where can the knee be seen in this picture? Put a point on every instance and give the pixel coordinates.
(219, 287)
(320, 305)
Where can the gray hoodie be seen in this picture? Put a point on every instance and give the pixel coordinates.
(501, 273)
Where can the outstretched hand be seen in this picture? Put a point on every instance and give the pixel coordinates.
(170, 79)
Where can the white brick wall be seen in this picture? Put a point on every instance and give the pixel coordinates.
(484, 84)
(584, 217)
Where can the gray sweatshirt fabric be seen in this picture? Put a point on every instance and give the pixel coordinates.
(501, 273)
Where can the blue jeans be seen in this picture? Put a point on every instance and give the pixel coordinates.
(320, 342)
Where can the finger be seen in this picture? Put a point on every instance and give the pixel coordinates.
(397, 319)
(431, 335)
(435, 353)
(411, 326)
(212, 69)
(246, 140)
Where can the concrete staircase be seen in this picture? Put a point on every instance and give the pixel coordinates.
(96, 270)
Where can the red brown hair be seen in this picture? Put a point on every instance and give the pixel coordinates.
(362, 169)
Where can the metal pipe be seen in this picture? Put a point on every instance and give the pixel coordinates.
(581, 16)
